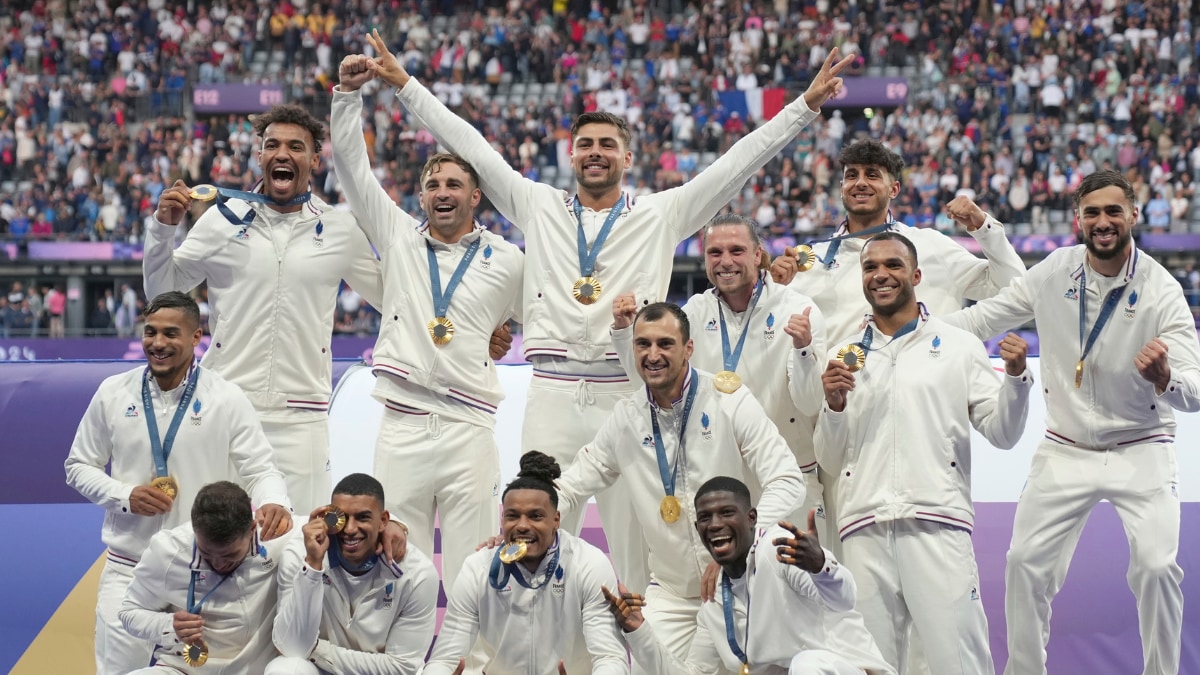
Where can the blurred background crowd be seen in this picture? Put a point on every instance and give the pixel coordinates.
(1010, 102)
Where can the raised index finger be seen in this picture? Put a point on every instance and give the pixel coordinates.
(378, 43)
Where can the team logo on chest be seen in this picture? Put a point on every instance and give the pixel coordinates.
(318, 241)
(705, 429)
(935, 347)
(1129, 309)
(267, 563)
(769, 332)
(711, 325)
(558, 586)
(196, 413)
(1072, 293)
(131, 411)
(243, 234)
(486, 263)
(388, 595)
(647, 441)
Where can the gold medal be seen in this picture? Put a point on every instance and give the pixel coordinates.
(335, 519)
(805, 257)
(167, 484)
(511, 553)
(586, 290)
(853, 356)
(1079, 374)
(745, 669)
(205, 193)
(441, 330)
(669, 509)
(727, 382)
(195, 654)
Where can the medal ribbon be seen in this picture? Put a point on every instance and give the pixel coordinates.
(336, 558)
(731, 359)
(869, 334)
(500, 572)
(835, 242)
(668, 473)
(225, 194)
(441, 300)
(193, 607)
(1106, 310)
(730, 622)
(587, 259)
(160, 449)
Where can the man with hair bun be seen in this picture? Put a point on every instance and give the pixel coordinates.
(536, 602)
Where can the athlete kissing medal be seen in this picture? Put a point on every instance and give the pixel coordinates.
(514, 551)
(204, 193)
(727, 381)
(669, 509)
(167, 484)
(335, 519)
(441, 330)
(853, 356)
(586, 290)
(195, 654)
(805, 257)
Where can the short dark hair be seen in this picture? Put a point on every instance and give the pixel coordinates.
(1100, 180)
(725, 484)
(538, 472)
(602, 118)
(733, 220)
(871, 152)
(360, 484)
(657, 310)
(176, 300)
(221, 512)
(436, 161)
(896, 236)
(290, 113)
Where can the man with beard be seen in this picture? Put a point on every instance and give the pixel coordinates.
(167, 429)
(1119, 353)
(666, 441)
(786, 605)
(274, 259)
(205, 591)
(447, 285)
(574, 266)
(756, 333)
(901, 396)
(343, 609)
(535, 603)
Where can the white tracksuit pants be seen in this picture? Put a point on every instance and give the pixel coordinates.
(921, 574)
(283, 665)
(560, 418)
(301, 445)
(429, 466)
(1064, 484)
(117, 652)
(819, 662)
(673, 619)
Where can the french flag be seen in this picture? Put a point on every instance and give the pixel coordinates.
(757, 104)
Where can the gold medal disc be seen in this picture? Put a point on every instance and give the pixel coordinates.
(853, 356)
(511, 553)
(167, 484)
(745, 669)
(669, 509)
(805, 257)
(204, 193)
(586, 290)
(1079, 374)
(195, 654)
(441, 330)
(335, 519)
(727, 382)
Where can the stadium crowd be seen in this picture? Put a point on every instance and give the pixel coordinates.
(1011, 106)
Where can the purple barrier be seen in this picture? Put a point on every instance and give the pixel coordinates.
(40, 408)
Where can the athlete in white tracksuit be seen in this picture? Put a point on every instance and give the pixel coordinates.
(379, 623)
(219, 438)
(272, 286)
(436, 451)
(1110, 433)
(238, 615)
(897, 432)
(792, 622)
(726, 435)
(577, 379)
